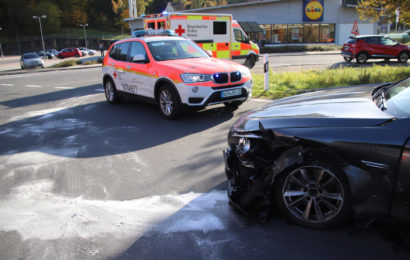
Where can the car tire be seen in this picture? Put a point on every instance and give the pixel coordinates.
(314, 195)
(250, 61)
(168, 102)
(348, 59)
(60, 56)
(76, 55)
(387, 60)
(233, 105)
(111, 92)
(403, 57)
(362, 57)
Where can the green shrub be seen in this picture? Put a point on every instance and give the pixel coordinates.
(300, 48)
(283, 84)
(66, 63)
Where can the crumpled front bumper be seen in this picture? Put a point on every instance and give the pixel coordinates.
(248, 185)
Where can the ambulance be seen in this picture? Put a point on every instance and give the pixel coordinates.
(218, 33)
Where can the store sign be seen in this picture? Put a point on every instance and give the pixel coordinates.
(313, 10)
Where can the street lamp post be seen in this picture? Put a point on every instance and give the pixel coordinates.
(41, 32)
(1, 49)
(85, 35)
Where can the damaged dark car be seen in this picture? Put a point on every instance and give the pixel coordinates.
(321, 157)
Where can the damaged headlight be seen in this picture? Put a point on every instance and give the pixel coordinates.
(244, 145)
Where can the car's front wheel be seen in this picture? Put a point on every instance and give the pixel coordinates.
(76, 55)
(403, 57)
(362, 58)
(60, 56)
(168, 102)
(111, 92)
(250, 61)
(313, 195)
(348, 59)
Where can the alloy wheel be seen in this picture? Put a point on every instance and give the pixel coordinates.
(109, 91)
(165, 100)
(313, 194)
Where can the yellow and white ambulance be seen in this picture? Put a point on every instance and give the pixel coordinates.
(218, 33)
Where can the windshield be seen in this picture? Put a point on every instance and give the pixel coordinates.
(175, 50)
(30, 56)
(395, 100)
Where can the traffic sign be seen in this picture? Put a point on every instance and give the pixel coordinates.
(355, 29)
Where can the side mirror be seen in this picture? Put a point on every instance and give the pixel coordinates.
(247, 40)
(139, 58)
(209, 53)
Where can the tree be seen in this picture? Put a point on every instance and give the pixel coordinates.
(384, 10)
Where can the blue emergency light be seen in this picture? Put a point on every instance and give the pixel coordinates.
(159, 32)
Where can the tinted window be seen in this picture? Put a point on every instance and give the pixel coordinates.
(239, 36)
(137, 49)
(120, 51)
(219, 27)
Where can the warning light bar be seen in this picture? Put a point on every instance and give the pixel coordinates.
(159, 32)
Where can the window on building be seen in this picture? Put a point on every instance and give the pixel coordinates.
(311, 33)
(279, 33)
(267, 31)
(327, 33)
(295, 33)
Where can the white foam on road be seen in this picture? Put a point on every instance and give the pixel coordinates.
(36, 213)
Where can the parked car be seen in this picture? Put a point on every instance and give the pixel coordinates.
(367, 47)
(318, 157)
(48, 55)
(30, 60)
(69, 52)
(88, 51)
(52, 52)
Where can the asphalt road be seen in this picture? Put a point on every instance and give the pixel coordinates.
(82, 179)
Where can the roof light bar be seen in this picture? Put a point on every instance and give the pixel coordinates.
(159, 32)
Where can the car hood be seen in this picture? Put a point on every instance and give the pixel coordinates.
(202, 65)
(336, 107)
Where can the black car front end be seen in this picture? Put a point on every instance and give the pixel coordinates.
(251, 162)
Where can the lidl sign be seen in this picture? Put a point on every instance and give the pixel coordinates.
(313, 10)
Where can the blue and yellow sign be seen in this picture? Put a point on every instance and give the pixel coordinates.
(313, 10)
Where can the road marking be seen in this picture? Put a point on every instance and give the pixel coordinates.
(33, 86)
(63, 87)
(6, 85)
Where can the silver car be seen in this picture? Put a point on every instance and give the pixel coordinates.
(30, 60)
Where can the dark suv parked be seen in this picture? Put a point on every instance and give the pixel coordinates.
(374, 47)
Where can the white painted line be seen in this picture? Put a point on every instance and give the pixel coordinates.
(63, 87)
(262, 100)
(33, 86)
(6, 85)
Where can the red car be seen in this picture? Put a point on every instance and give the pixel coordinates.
(69, 52)
(374, 47)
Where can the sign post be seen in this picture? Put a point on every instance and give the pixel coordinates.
(266, 71)
(355, 31)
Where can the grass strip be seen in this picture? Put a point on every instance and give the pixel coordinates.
(283, 84)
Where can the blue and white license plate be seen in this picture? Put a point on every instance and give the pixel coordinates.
(230, 93)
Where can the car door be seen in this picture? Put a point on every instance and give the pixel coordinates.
(138, 71)
(118, 62)
(401, 195)
(390, 47)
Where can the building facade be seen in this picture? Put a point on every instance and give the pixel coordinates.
(293, 21)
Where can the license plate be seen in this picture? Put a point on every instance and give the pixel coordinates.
(230, 93)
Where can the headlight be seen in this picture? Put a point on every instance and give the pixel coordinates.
(193, 78)
(243, 146)
(245, 72)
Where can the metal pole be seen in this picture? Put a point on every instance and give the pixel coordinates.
(85, 35)
(41, 33)
(1, 49)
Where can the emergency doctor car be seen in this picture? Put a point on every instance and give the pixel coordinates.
(173, 72)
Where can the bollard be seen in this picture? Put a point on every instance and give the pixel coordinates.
(266, 70)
